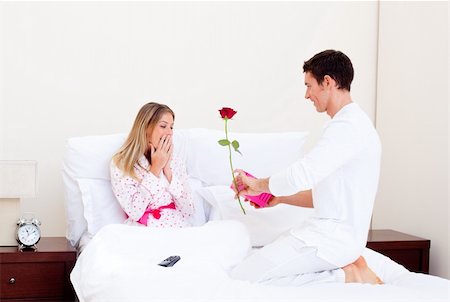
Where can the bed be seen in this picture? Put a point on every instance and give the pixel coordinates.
(119, 262)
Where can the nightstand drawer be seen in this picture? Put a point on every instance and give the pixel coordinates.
(29, 280)
(411, 259)
(410, 251)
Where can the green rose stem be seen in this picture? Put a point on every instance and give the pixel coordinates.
(231, 165)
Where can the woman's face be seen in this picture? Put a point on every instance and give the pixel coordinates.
(162, 128)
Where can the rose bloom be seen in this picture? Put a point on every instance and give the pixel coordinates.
(227, 112)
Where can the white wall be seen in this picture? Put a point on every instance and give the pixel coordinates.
(79, 68)
(412, 120)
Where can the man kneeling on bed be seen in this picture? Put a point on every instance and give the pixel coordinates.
(338, 177)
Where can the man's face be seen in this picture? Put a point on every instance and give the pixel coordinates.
(316, 93)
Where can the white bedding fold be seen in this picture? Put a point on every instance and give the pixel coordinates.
(120, 264)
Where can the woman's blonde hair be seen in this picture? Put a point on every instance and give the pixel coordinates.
(136, 143)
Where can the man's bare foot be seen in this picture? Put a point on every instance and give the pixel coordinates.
(359, 272)
(352, 274)
(367, 274)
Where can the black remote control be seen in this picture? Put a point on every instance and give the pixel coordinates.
(170, 261)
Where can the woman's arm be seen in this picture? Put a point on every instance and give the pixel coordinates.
(179, 188)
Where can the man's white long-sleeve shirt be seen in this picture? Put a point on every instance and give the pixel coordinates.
(342, 170)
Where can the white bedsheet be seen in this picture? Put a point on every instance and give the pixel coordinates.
(120, 264)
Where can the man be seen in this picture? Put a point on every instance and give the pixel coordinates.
(338, 177)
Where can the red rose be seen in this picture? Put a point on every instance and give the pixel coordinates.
(227, 112)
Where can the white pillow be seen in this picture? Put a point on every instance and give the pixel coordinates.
(201, 210)
(85, 157)
(206, 161)
(100, 205)
(89, 157)
(263, 154)
(265, 224)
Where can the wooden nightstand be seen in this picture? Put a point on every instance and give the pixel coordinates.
(410, 251)
(42, 275)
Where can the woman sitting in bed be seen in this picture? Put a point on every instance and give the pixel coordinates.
(148, 181)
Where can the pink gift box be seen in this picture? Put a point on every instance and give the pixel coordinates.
(261, 200)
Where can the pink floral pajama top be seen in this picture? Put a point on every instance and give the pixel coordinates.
(165, 204)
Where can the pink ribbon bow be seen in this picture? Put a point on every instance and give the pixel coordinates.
(156, 213)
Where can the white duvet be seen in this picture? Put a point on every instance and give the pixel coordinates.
(120, 264)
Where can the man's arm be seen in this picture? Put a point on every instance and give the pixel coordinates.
(300, 199)
(256, 186)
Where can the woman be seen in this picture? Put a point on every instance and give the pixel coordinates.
(148, 181)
